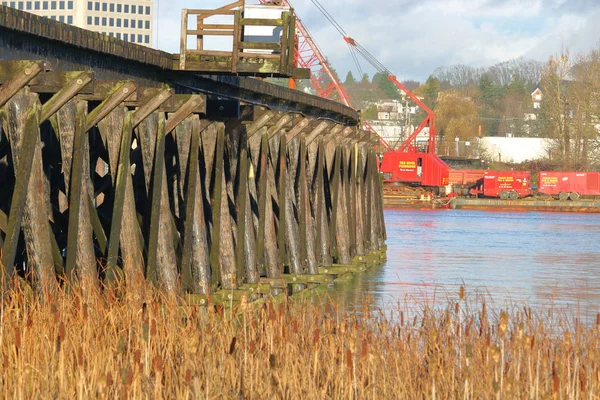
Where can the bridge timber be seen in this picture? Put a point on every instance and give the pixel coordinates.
(118, 167)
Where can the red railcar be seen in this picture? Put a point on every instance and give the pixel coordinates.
(569, 185)
(465, 176)
(504, 184)
(425, 169)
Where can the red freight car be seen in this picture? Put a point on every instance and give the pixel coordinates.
(504, 184)
(569, 185)
(465, 176)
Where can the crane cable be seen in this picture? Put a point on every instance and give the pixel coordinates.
(353, 44)
(327, 15)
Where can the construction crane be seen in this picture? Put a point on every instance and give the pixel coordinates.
(410, 163)
(324, 82)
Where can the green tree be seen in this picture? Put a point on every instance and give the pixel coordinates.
(365, 78)
(488, 91)
(390, 90)
(431, 92)
(370, 113)
(488, 94)
(349, 79)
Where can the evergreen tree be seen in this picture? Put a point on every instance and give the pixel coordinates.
(365, 78)
(349, 79)
(381, 80)
(431, 91)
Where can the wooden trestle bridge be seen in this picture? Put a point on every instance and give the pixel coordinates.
(116, 165)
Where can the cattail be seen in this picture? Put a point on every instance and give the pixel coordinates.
(349, 362)
(316, 337)
(294, 326)
(363, 349)
(157, 364)
(461, 293)
(153, 327)
(80, 357)
(232, 345)
(188, 377)
(220, 310)
(272, 361)
(109, 380)
(555, 382)
(137, 356)
(17, 340)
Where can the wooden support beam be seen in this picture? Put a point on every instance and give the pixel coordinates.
(123, 174)
(118, 95)
(318, 130)
(64, 95)
(10, 88)
(161, 263)
(241, 202)
(281, 196)
(259, 123)
(150, 106)
(321, 208)
(217, 199)
(80, 248)
(333, 134)
(182, 113)
(339, 137)
(190, 213)
(278, 126)
(23, 116)
(297, 129)
(262, 201)
(306, 226)
(335, 193)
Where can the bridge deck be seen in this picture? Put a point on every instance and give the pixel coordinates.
(69, 48)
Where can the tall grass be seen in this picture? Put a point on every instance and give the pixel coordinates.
(153, 347)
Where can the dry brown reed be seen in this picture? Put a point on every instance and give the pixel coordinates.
(153, 347)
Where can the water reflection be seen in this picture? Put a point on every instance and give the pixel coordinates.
(540, 259)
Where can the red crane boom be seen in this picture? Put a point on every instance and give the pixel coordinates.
(322, 79)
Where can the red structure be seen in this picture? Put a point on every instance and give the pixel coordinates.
(504, 184)
(424, 169)
(569, 185)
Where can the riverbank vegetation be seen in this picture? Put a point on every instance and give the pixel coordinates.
(146, 346)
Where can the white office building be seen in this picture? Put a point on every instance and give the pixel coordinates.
(130, 20)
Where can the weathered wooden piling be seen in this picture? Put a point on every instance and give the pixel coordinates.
(198, 205)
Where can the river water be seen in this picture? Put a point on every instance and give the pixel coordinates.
(540, 260)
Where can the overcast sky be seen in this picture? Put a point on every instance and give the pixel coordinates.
(414, 37)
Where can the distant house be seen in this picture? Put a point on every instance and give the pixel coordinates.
(536, 97)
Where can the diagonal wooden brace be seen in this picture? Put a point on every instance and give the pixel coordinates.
(110, 103)
(281, 122)
(10, 88)
(152, 105)
(340, 138)
(316, 132)
(185, 111)
(259, 123)
(64, 95)
(297, 129)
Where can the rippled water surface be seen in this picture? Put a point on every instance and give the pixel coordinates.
(539, 259)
